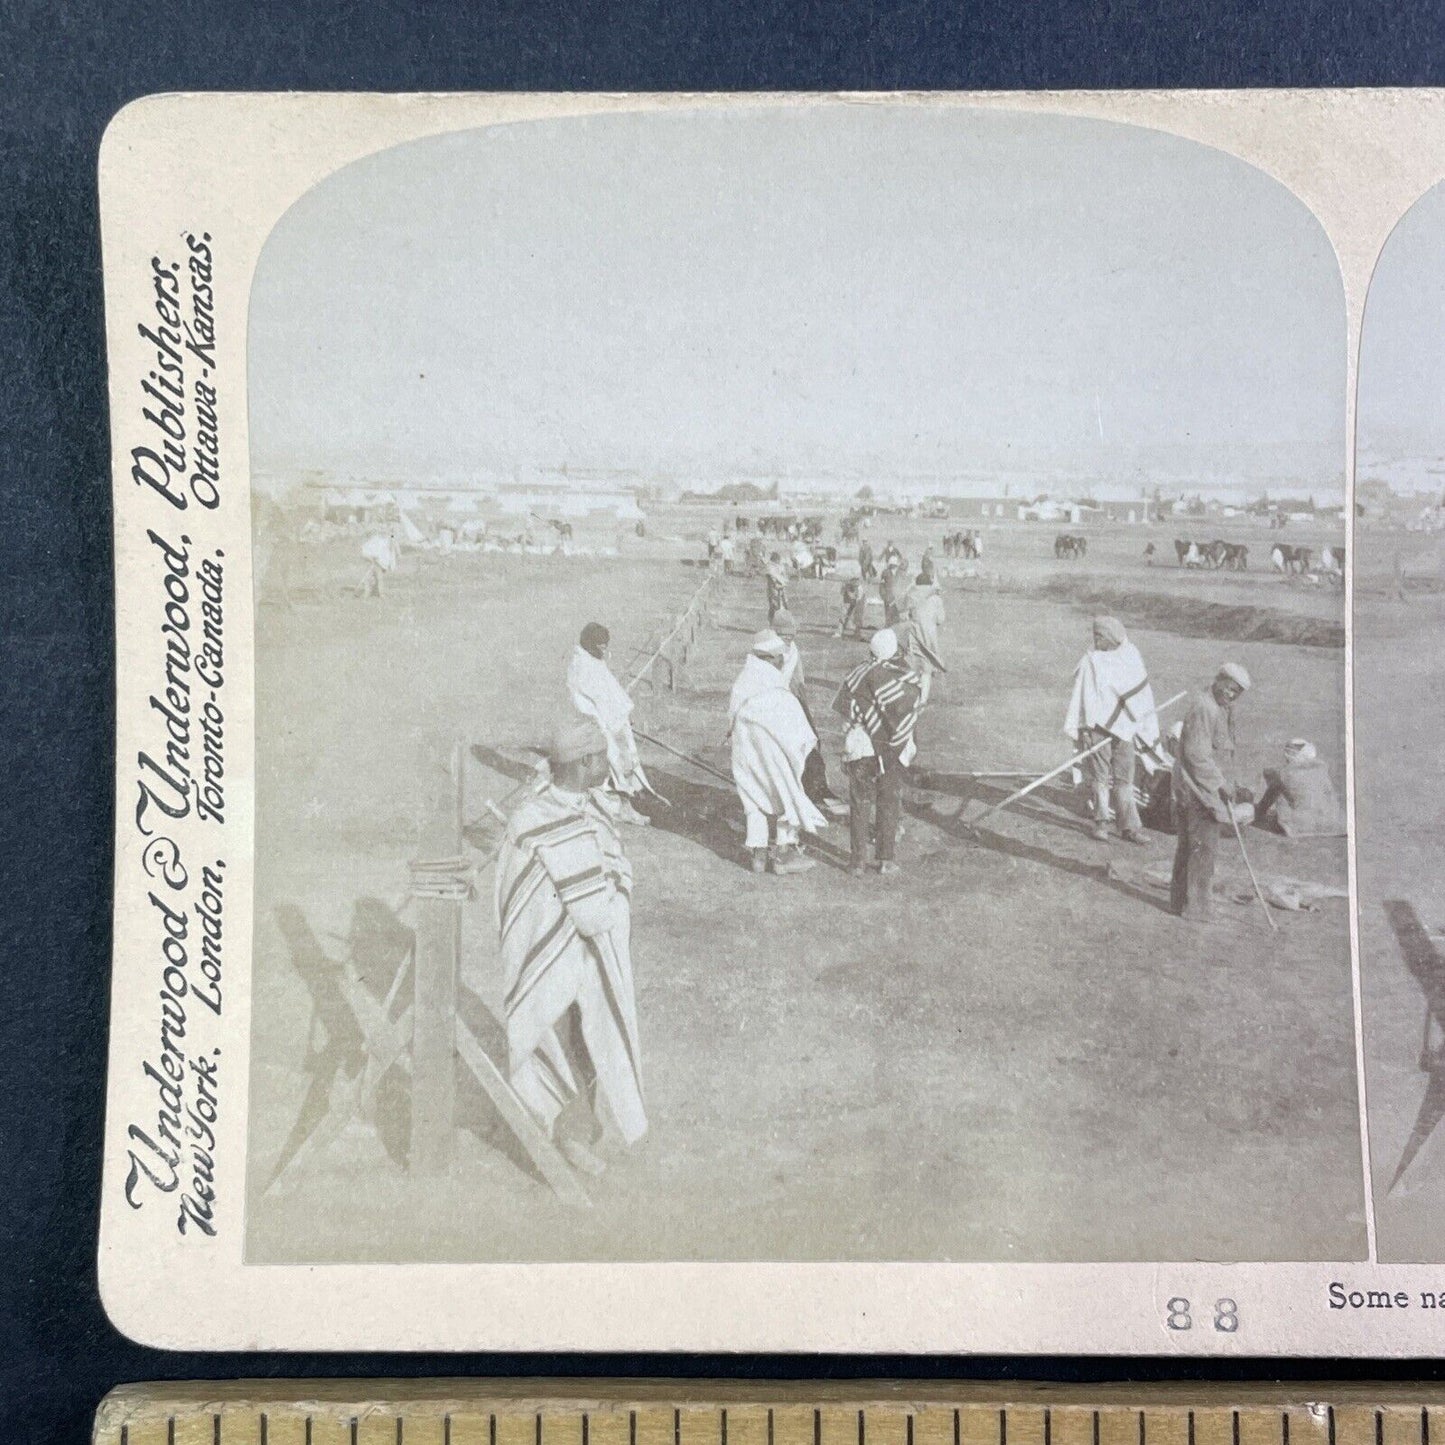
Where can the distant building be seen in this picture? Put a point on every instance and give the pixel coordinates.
(366, 505)
(565, 500)
(1047, 509)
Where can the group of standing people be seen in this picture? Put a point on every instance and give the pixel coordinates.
(1113, 715)
(563, 892)
(777, 760)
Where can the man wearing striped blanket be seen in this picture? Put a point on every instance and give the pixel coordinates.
(880, 700)
(564, 912)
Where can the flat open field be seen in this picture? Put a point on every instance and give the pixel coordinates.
(1400, 818)
(1008, 1052)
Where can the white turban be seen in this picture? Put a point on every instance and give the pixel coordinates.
(767, 643)
(884, 644)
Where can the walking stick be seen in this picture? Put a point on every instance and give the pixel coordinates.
(1073, 762)
(1268, 916)
(686, 757)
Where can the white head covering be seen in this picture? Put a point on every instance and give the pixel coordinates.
(767, 643)
(1235, 673)
(1300, 750)
(1109, 631)
(883, 644)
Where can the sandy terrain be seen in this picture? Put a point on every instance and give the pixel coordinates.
(1004, 1053)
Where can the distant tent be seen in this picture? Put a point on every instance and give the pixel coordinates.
(409, 529)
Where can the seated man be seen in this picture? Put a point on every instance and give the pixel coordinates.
(1299, 798)
(564, 916)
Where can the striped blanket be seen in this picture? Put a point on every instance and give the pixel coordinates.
(884, 698)
(563, 902)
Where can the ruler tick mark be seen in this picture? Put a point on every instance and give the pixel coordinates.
(723, 1427)
(1331, 1415)
(958, 1430)
(1191, 1427)
(1003, 1427)
(770, 1428)
(817, 1427)
(860, 1427)
(1048, 1426)
(1234, 1426)
(1142, 1428)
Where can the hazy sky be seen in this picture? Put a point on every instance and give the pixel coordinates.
(849, 291)
(1401, 418)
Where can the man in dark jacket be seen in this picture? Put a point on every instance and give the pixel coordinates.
(1203, 792)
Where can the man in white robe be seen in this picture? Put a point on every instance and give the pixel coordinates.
(1112, 704)
(771, 741)
(564, 916)
(924, 609)
(597, 694)
(815, 771)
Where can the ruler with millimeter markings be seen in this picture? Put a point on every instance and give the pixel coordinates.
(630, 1412)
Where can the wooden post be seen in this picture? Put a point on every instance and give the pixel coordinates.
(438, 953)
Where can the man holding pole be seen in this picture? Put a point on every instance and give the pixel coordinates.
(1112, 704)
(564, 916)
(1203, 794)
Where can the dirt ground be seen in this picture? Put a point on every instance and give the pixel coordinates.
(1005, 1053)
(1400, 804)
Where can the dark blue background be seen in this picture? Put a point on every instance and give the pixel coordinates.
(64, 70)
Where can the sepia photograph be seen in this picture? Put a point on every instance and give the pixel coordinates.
(1399, 588)
(800, 714)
